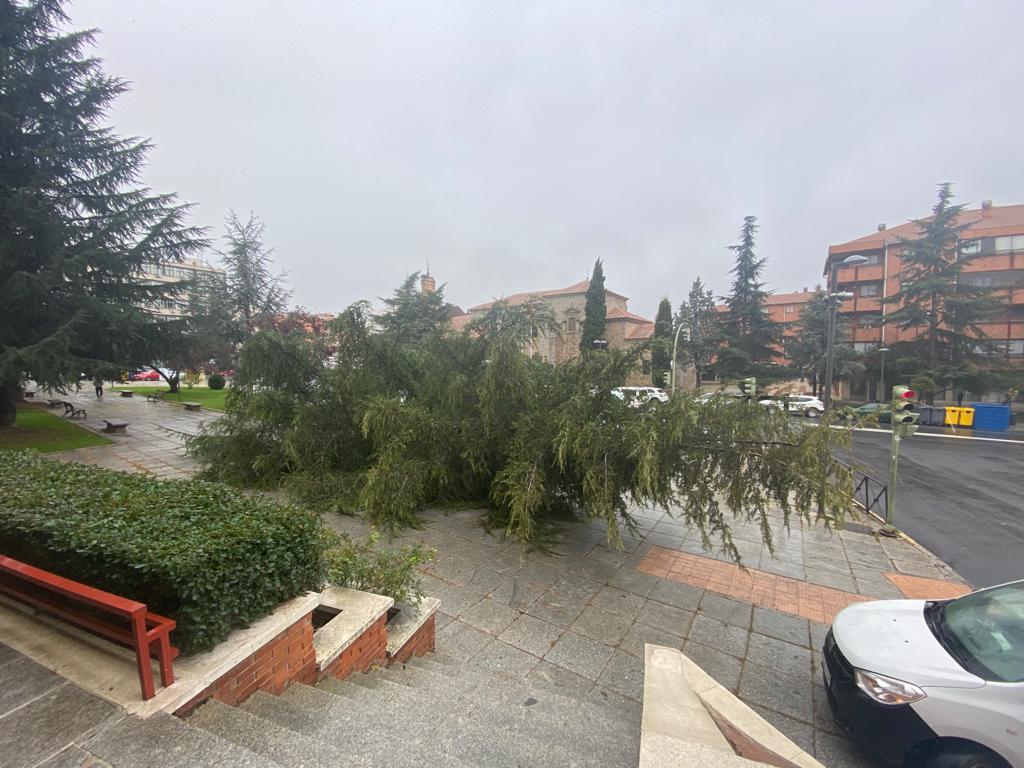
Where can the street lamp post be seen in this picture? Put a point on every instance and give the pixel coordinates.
(834, 298)
(672, 364)
(881, 379)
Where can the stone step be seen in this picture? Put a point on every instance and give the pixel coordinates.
(492, 698)
(467, 729)
(166, 740)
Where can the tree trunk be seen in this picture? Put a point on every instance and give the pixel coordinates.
(10, 394)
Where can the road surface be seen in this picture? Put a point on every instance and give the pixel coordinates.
(962, 499)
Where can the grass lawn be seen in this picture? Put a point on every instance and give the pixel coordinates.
(45, 431)
(210, 398)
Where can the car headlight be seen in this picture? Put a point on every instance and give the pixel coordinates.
(887, 690)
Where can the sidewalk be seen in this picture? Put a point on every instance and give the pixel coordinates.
(153, 443)
(580, 618)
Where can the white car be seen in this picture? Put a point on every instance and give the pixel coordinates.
(808, 405)
(636, 397)
(932, 684)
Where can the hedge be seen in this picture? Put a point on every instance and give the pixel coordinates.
(202, 553)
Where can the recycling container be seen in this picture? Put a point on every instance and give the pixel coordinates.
(991, 417)
(966, 417)
(930, 416)
(953, 415)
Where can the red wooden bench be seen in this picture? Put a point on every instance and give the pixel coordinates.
(146, 632)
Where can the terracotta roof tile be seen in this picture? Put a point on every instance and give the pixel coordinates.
(520, 298)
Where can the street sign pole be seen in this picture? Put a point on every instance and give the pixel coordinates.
(890, 495)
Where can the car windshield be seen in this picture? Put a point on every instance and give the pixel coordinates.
(984, 631)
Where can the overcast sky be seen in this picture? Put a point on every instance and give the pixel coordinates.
(513, 143)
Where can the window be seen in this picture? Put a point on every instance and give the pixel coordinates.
(1015, 347)
(872, 258)
(970, 247)
(1009, 243)
(865, 346)
(790, 309)
(982, 281)
(572, 325)
(869, 290)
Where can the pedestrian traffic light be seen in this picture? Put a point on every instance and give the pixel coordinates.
(749, 386)
(903, 398)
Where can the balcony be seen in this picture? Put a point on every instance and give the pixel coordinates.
(867, 334)
(871, 272)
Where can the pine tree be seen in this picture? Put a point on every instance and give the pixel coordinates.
(75, 227)
(411, 313)
(661, 345)
(750, 338)
(700, 318)
(595, 311)
(255, 293)
(808, 348)
(933, 295)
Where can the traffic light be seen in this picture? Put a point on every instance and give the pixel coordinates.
(749, 386)
(903, 398)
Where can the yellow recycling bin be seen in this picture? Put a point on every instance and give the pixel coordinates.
(966, 417)
(953, 416)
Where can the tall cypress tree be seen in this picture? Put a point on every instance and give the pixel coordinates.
(700, 318)
(933, 295)
(749, 337)
(75, 227)
(595, 312)
(661, 345)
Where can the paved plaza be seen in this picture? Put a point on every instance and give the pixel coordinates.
(579, 618)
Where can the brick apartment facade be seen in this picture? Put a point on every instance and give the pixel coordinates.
(995, 240)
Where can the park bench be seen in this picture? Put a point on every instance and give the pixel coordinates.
(153, 398)
(51, 403)
(126, 393)
(115, 425)
(71, 412)
(130, 622)
(192, 406)
(29, 394)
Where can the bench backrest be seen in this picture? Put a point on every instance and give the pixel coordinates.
(51, 582)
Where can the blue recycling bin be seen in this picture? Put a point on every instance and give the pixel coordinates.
(991, 417)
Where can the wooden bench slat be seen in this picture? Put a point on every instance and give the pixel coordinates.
(69, 588)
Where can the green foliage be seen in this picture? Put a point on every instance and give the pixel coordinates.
(215, 381)
(749, 338)
(191, 378)
(925, 386)
(456, 417)
(363, 565)
(807, 350)
(75, 228)
(700, 318)
(253, 292)
(661, 345)
(201, 553)
(933, 295)
(595, 311)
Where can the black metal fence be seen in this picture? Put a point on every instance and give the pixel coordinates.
(869, 492)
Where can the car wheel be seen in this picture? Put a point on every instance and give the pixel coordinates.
(812, 413)
(965, 756)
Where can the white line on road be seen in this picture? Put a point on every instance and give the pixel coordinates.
(933, 434)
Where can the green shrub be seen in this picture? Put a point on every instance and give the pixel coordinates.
(360, 565)
(215, 381)
(201, 553)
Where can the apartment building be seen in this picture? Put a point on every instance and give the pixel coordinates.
(189, 269)
(995, 241)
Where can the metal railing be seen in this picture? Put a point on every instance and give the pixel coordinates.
(869, 492)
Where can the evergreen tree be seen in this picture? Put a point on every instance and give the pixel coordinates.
(75, 226)
(749, 337)
(932, 294)
(595, 311)
(661, 346)
(412, 314)
(700, 318)
(807, 350)
(255, 293)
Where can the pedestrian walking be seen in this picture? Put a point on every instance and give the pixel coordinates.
(98, 383)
